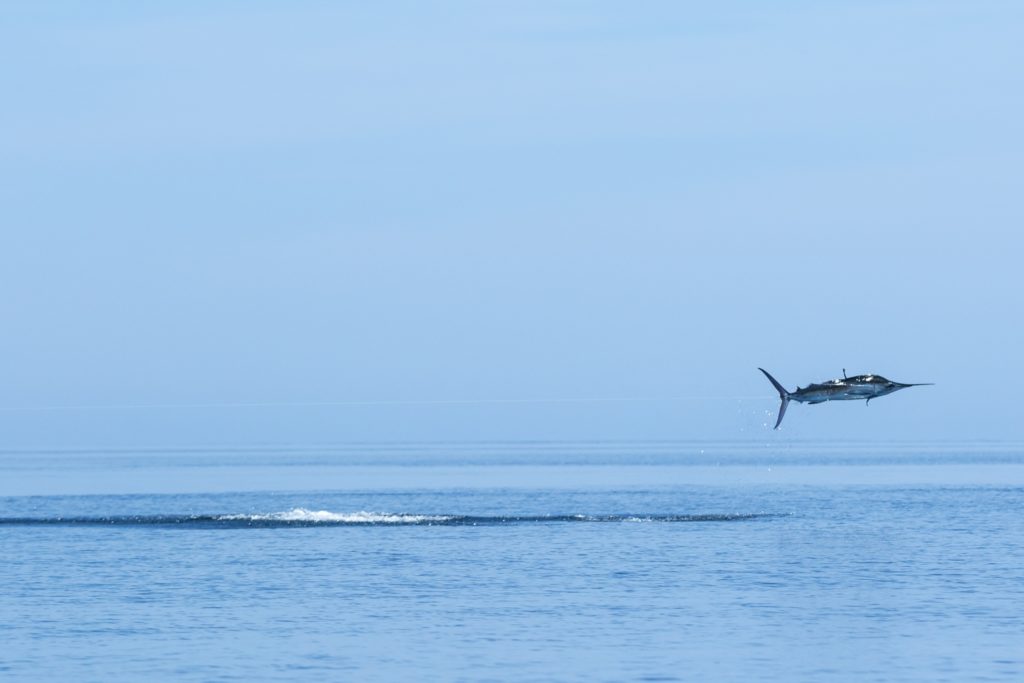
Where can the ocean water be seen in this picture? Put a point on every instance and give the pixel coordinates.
(515, 561)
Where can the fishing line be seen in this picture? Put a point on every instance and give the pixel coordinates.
(370, 404)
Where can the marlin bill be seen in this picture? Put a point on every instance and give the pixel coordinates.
(856, 388)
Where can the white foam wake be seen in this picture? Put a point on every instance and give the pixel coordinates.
(362, 517)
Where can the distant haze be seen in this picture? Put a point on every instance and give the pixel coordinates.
(207, 204)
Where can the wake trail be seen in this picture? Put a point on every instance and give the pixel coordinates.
(301, 517)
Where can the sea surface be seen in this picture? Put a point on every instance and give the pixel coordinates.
(515, 562)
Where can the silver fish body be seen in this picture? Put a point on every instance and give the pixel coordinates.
(860, 387)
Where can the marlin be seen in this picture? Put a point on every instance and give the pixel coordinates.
(864, 387)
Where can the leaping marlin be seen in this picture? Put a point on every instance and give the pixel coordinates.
(846, 389)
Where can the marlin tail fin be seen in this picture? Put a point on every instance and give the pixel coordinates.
(783, 394)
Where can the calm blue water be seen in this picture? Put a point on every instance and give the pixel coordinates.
(527, 562)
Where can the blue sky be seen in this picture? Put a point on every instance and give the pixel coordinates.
(222, 203)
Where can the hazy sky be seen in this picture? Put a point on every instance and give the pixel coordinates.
(244, 202)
